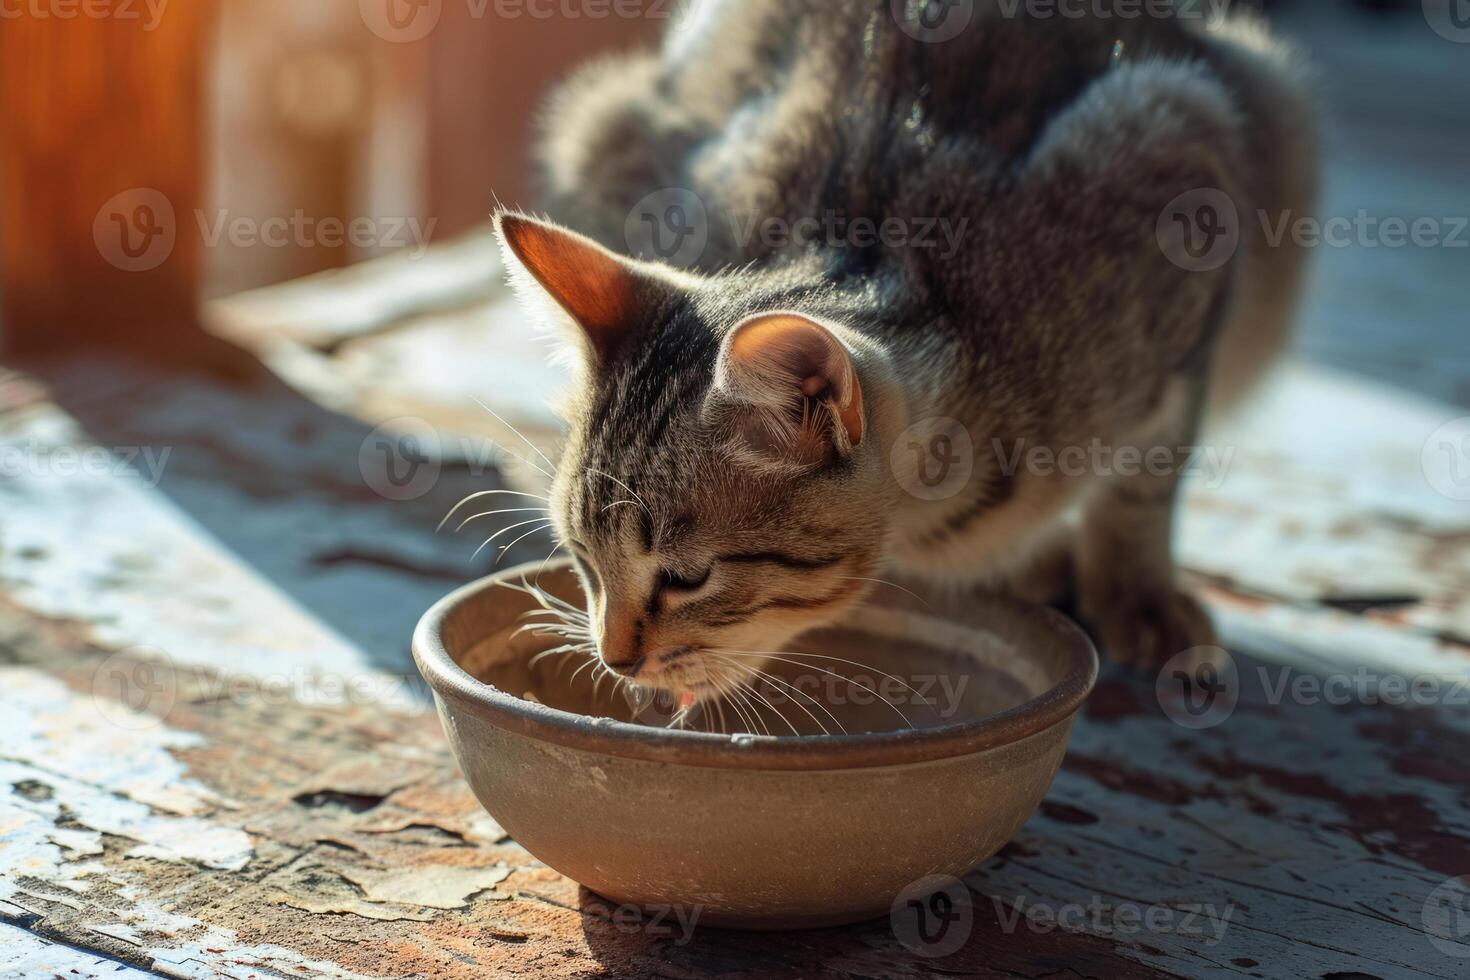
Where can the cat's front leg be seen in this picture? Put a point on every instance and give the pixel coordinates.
(1127, 587)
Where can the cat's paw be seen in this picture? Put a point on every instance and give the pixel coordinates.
(1144, 629)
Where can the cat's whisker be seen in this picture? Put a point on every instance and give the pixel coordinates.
(546, 611)
(846, 680)
(521, 459)
(758, 727)
(563, 650)
(777, 711)
(754, 673)
(534, 530)
(485, 493)
(619, 503)
(492, 513)
(535, 592)
(894, 585)
(572, 680)
(791, 689)
(552, 630)
(745, 723)
(542, 570)
(783, 654)
(505, 530)
(519, 435)
(721, 684)
(555, 629)
(568, 614)
(549, 600)
(641, 502)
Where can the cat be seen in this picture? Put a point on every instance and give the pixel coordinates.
(757, 424)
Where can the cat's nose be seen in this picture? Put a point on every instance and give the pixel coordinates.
(621, 642)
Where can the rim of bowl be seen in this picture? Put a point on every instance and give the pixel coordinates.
(451, 682)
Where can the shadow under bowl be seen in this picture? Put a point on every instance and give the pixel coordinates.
(958, 719)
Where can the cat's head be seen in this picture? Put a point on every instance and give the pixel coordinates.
(722, 488)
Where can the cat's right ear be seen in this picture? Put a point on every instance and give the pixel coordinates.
(604, 296)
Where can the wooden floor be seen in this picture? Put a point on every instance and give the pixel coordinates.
(186, 790)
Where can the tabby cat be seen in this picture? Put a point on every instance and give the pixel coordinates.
(778, 373)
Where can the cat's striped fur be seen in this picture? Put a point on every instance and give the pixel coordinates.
(1058, 320)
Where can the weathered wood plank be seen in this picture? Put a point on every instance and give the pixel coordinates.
(252, 531)
(242, 834)
(25, 956)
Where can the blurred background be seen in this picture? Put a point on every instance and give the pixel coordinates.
(255, 341)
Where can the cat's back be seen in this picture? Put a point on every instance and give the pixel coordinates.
(784, 109)
(987, 69)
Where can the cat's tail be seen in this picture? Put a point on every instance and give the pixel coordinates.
(1274, 90)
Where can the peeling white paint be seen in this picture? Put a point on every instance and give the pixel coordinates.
(1326, 498)
(192, 948)
(114, 780)
(106, 549)
(23, 955)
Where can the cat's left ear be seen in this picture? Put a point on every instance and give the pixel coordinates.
(779, 364)
(606, 296)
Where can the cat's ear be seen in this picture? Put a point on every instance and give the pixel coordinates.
(797, 383)
(603, 294)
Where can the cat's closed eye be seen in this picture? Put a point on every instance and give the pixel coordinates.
(672, 581)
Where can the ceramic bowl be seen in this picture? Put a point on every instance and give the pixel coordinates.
(955, 722)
